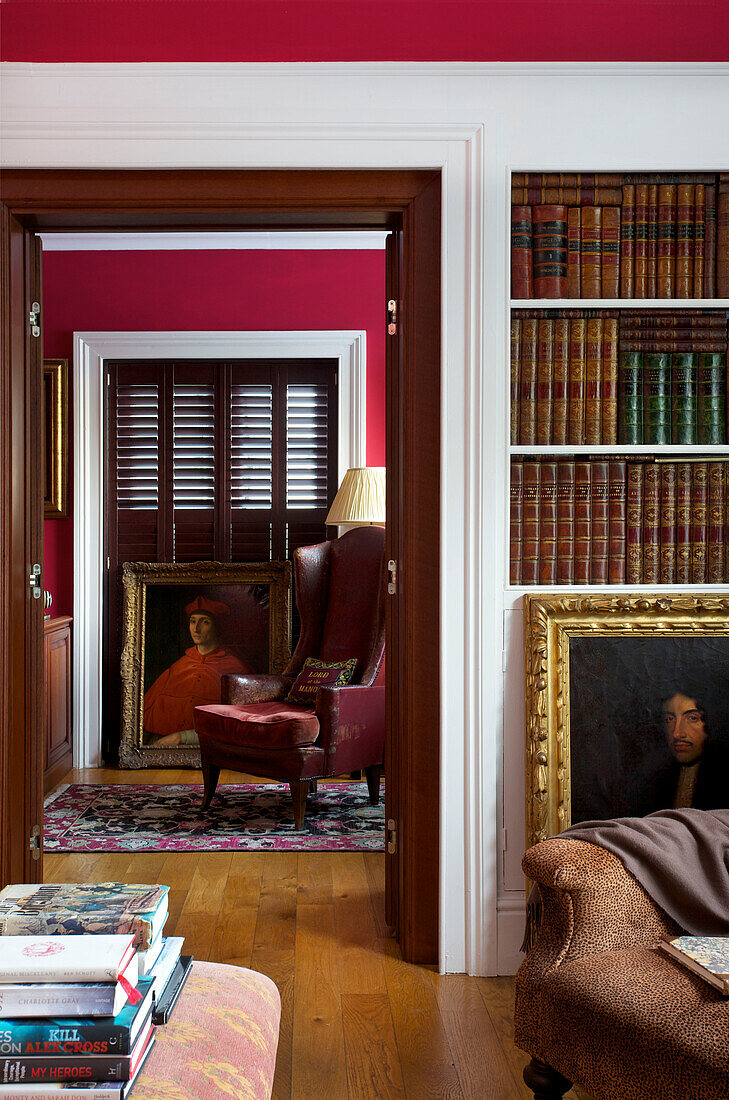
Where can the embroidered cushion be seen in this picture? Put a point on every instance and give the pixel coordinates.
(316, 674)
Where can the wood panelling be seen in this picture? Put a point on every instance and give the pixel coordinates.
(57, 691)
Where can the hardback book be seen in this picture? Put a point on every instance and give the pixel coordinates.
(63, 999)
(617, 507)
(577, 372)
(610, 252)
(640, 249)
(634, 524)
(683, 523)
(565, 522)
(699, 239)
(528, 374)
(147, 959)
(666, 237)
(651, 523)
(707, 956)
(630, 397)
(549, 251)
(593, 380)
(162, 970)
(560, 385)
(167, 999)
(78, 1067)
(67, 959)
(591, 252)
(711, 397)
(652, 241)
(548, 523)
(76, 1090)
(599, 522)
(38, 1035)
(515, 379)
(716, 517)
(521, 252)
(656, 398)
(627, 241)
(710, 242)
(530, 523)
(609, 412)
(545, 379)
(699, 507)
(583, 541)
(667, 574)
(684, 281)
(516, 489)
(684, 427)
(574, 232)
(722, 237)
(76, 908)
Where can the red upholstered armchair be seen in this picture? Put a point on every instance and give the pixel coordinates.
(340, 596)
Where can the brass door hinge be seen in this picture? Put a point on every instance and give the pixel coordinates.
(391, 837)
(35, 841)
(391, 317)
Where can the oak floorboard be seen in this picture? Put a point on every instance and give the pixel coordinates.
(315, 877)
(481, 1064)
(375, 867)
(201, 907)
(373, 1063)
(177, 872)
(361, 968)
(236, 927)
(319, 1063)
(498, 996)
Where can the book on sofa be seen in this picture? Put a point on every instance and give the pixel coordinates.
(707, 956)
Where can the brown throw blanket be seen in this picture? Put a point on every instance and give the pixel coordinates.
(679, 857)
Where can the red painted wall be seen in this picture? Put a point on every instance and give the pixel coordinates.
(365, 30)
(168, 291)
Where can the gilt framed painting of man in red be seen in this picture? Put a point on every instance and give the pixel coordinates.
(185, 627)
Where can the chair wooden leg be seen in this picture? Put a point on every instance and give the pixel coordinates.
(313, 786)
(299, 789)
(546, 1083)
(373, 774)
(211, 775)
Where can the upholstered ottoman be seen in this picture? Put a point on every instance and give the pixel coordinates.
(221, 1039)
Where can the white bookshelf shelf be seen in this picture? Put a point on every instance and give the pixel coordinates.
(664, 450)
(620, 303)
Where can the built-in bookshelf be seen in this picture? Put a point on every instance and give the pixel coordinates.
(619, 325)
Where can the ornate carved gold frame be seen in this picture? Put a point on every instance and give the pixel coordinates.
(549, 623)
(55, 438)
(137, 577)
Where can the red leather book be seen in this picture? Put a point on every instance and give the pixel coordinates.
(683, 523)
(583, 540)
(617, 509)
(560, 384)
(726, 519)
(548, 524)
(651, 523)
(545, 379)
(515, 522)
(722, 237)
(521, 252)
(640, 264)
(680, 321)
(710, 241)
(573, 251)
(627, 241)
(515, 380)
(565, 522)
(652, 239)
(699, 234)
(610, 270)
(699, 506)
(577, 377)
(667, 344)
(610, 380)
(530, 523)
(634, 524)
(668, 523)
(666, 241)
(715, 524)
(599, 522)
(593, 381)
(549, 251)
(684, 282)
(591, 252)
(528, 382)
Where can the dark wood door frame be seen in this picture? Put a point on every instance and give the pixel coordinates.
(408, 201)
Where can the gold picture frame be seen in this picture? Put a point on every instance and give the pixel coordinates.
(256, 633)
(55, 438)
(602, 651)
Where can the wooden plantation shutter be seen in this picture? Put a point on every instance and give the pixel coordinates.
(197, 473)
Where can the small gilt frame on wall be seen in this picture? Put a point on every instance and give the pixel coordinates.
(186, 625)
(599, 674)
(55, 438)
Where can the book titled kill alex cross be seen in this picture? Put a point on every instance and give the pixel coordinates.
(79, 908)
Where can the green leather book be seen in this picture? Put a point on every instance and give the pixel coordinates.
(683, 397)
(711, 397)
(630, 397)
(656, 397)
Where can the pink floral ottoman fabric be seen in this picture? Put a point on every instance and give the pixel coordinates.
(221, 1039)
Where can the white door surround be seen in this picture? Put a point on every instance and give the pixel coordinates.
(90, 350)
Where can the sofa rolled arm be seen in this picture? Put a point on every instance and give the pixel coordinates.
(240, 689)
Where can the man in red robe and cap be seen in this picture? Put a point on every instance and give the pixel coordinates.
(192, 681)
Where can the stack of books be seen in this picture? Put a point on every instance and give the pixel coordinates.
(595, 521)
(587, 377)
(85, 976)
(619, 235)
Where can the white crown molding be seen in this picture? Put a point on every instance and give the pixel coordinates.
(90, 349)
(363, 240)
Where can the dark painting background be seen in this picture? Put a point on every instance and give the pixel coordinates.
(167, 636)
(617, 686)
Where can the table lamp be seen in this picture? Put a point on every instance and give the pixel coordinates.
(360, 500)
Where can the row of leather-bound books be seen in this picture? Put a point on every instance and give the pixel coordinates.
(594, 521)
(617, 235)
(586, 377)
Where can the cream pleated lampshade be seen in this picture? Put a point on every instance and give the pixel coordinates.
(361, 498)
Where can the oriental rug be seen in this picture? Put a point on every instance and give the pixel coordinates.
(243, 817)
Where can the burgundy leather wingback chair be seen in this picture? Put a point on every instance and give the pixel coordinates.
(340, 596)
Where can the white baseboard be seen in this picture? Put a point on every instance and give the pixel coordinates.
(510, 913)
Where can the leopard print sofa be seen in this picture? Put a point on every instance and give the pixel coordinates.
(597, 1002)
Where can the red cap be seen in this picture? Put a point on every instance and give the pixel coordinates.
(210, 607)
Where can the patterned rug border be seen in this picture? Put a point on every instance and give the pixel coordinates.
(66, 806)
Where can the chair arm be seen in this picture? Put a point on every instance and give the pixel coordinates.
(239, 689)
(352, 726)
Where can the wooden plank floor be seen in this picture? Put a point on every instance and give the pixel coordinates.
(357, 1022)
